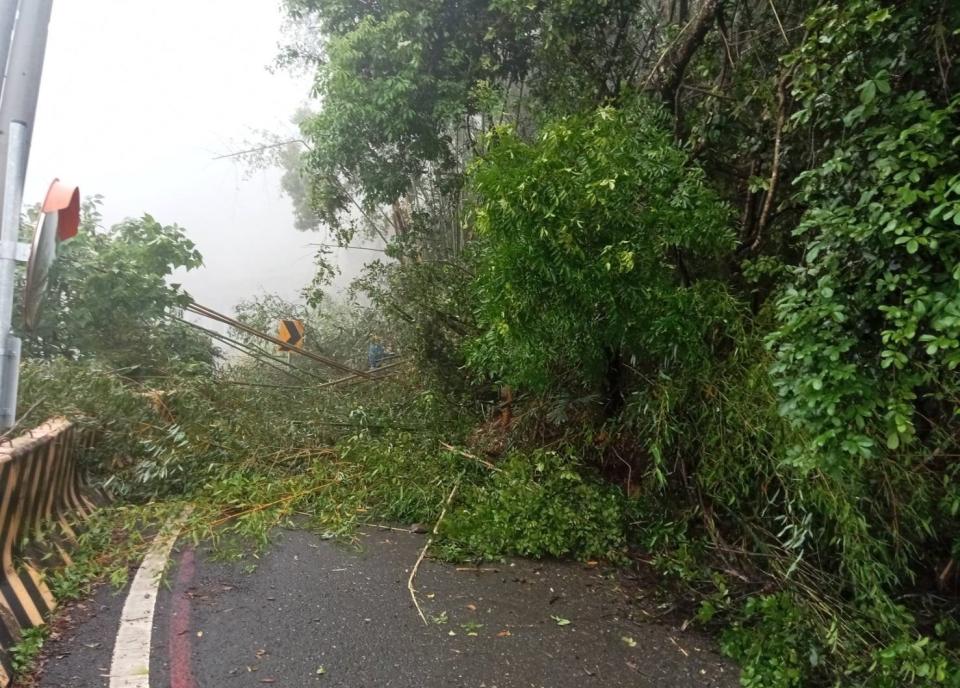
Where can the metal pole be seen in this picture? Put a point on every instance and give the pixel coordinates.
(9, 224)
(18, 106)
(25, 64)
(11, 382)
(8, 16)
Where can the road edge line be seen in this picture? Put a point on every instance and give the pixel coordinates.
(130, 664)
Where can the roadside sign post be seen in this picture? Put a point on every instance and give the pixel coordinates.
(59, 220)
(18, 106)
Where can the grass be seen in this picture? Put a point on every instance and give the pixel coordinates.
(25, 653)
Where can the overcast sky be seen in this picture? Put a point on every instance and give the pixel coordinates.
(139, 96)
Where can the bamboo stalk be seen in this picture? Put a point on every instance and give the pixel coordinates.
(249, 349)
(423, 552)
(468, 455)
(373, 375)
(227, 320)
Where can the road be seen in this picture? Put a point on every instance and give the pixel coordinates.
(312, 612)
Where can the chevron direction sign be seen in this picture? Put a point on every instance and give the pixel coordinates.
(290, 332)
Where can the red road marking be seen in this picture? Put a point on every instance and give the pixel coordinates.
(178, 645)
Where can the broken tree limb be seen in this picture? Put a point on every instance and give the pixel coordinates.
(423, 552)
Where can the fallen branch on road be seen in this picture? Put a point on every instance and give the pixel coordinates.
(423, 552)
(380, 526)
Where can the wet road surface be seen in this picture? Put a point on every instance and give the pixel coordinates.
(313, 612)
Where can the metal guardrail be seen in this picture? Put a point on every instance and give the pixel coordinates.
(42, 498)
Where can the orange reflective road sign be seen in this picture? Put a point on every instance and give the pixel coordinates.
(290, 332)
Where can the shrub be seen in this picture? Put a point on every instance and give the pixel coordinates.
(538, 505)
(595, 245)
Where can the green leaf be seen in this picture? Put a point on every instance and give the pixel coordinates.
(893, 440)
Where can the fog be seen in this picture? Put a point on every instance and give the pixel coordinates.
(137, 100)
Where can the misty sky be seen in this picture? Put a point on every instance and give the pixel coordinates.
(139, 96)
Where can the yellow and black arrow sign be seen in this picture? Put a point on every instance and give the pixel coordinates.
(290, 332)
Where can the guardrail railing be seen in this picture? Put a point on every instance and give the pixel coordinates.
(42, 498)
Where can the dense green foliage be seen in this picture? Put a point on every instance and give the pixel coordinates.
(110, 298)
(393, 80)
(868, 322)
(708, 251)
(775, 385)
(369, 455)
(590, 244)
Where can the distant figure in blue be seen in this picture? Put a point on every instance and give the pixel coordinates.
(375, 354)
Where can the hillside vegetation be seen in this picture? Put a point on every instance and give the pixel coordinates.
(671, 280)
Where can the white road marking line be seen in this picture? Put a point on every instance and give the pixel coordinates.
(130, 667)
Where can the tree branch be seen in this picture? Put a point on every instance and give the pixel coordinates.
(775, 163)
(667, 74)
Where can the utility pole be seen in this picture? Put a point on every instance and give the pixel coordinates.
(22, 57)
(8, 16)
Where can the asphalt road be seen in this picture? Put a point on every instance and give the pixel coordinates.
(312, 612)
